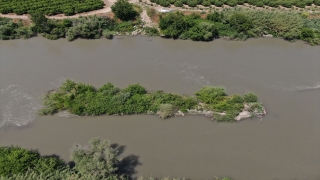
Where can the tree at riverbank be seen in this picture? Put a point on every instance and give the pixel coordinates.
(83, 99)
(87, 27)
(99, 162)
(124, 10)
(234, 24)
(14, 30)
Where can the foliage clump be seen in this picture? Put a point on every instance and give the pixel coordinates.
(124, 10)
(250, 97)
(84, 99)
(11, 30)
(101, 160)
(240, 24)
(165, 111)
(15, 160)
(211, 94)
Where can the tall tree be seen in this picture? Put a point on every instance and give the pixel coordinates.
(40, 22)
(124, 10)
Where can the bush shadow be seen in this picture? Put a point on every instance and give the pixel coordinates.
(128, 163)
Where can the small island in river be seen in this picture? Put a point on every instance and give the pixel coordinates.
(213, 102)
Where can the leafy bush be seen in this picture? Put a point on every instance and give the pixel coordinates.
(237, 99)
(178, 4)
(228, 117)
(250, 97)
(307, 33)
(259, 4)
(12, 30)
(151, 31)
(107, 34)
(89, 27)
(240, 22)
(232, 3)
(206, 3)
(165, 111)
(100, 160)
(173, 24)
(215, 17)
(192, 3)
(15, 160)
(211, 94)
(124, 10)
(218, 3)
(135, 89)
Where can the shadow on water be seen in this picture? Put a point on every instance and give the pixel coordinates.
(128, 163)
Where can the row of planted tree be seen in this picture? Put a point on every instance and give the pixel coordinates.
(219, 3)
(67, 7)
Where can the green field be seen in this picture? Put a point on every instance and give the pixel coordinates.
(49, 7)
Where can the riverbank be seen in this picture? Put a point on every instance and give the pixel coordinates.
(232, 24)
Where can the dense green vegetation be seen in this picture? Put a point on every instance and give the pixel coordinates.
(219, 3)
(235, 23)
(15, 160)
(87, 27)
(83, 99)
(67, 7)
(239, 23)
(99, 162)
(12, 30)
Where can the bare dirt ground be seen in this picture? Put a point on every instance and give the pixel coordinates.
(146, 19)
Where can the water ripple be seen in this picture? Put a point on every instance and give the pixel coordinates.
(17, 107)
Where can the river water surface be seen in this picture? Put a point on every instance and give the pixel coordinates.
(285, 145)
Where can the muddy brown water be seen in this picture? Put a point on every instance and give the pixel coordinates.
(286, 76)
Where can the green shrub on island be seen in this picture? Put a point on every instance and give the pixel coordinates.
(250, 97)
(83, 99)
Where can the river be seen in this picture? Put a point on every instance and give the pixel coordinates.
(284, 145)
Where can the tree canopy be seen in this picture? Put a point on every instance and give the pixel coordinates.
(124, 10)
